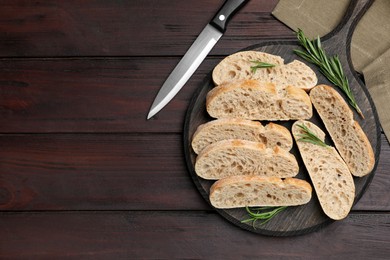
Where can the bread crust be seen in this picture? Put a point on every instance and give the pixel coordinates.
(346, 133)
(267, 87)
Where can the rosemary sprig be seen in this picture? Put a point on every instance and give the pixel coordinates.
(329, 66)
(310, 137)
(260, 65)
(263, 213)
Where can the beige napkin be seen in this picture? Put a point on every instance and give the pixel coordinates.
(370, 45)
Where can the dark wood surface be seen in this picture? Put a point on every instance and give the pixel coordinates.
(83, 174)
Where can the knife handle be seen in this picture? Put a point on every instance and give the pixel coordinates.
(226, 12)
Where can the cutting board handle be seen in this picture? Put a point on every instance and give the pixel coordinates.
(344, 30)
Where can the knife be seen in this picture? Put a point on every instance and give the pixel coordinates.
(195, 55)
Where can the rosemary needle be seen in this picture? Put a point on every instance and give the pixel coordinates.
(310, 137)
(263, 213)
(260, 65)
(329, 66)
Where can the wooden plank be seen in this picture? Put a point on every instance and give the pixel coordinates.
(117, 172)
(75, 172)
(182, 235)
(90, 95)
(119, 28)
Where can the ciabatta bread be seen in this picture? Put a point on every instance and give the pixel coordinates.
(255, 100)
(255, 191)
(237, 67)
(329, 174)
(240, 157)
(347, 135)
(225, 128)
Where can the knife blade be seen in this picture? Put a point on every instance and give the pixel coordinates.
(195, 55)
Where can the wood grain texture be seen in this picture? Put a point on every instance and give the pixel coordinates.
(90, 95)
(84, 175)
(125, 28)
(114, 172)
(180, 235)
(67, 172)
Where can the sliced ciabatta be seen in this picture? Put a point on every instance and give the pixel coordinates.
(240, 157)
(295, 73)
(256, 191)
(346, 133)
(237, 67)
(329, 174)
(235, 128)
(256, 100)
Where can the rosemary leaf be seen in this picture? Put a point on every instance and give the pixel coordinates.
(310, 137)
(336, 67)
(313, 51)
(308, 140)
(263, 213)
(329, 66)
(260, 65)
(305, 56)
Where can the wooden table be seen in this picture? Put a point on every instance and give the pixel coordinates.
(83, 174)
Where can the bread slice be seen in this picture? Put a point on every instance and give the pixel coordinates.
(270, 135)
(237, 67)
(347, 135)
(256, 100)
(256, 191)
(241, 157)
(295, 73)
(328, 172)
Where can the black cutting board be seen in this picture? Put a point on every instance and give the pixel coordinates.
(310, 217)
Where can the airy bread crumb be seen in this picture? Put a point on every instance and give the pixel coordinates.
(256, 100)
(237, 67)
(255, 191)
(241, 157)
(347, 135)
(213, 131)
(328, 172)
